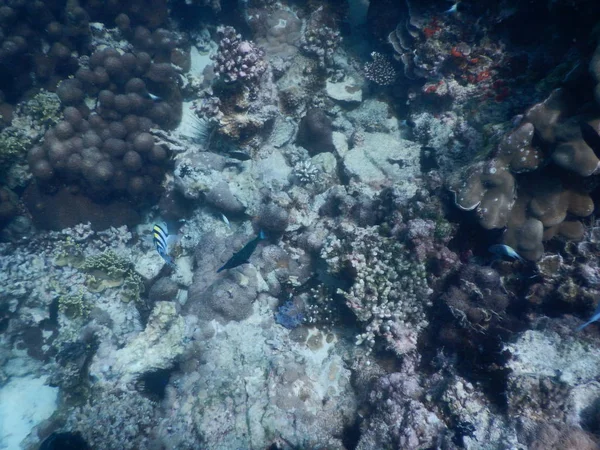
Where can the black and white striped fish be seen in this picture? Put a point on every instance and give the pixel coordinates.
(163, 243)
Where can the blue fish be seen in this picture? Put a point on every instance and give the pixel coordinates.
(154, 98)
(163, 242)
(453, 9)
(505, 250)
(594, 318)
(244, 254)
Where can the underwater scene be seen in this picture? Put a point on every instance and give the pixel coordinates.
(299, 225)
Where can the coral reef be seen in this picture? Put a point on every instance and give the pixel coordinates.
(399, 419)
(238, 60)
(321, 39)
(538, 209)
(96, 421)
(389, 292)
(110, 151)
(369, 313)
(380, 70)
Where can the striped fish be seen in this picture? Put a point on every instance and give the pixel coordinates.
(162, 240)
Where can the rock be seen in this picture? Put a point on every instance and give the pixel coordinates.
(221, 198)
(347, 90)
(315, 132)
(154, 348)
(163, 290)
(273, 171)
(340, 142)
(382, 160)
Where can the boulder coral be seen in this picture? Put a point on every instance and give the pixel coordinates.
(534, 185)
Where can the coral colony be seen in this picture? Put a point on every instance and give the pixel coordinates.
(299, 225)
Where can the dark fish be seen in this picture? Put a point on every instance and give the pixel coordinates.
(595, 317)
(591, 137)
(244, 254)
(505, 250)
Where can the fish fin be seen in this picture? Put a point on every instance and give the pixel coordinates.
(172, 240)
(262, 235)
(581, 327)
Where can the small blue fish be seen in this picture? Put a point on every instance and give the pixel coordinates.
(163, 242)
(154, 98)
(594, 318)
(226, 220)
(453, 9)
(244, 254)
(505, 250)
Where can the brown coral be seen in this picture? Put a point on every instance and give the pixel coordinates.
(549, 138)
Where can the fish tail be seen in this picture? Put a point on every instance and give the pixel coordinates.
(262, 235)
(581, 327)
(221, 269)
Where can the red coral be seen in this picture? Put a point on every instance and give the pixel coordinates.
(483, 75)
(456, 53)
(431, 29)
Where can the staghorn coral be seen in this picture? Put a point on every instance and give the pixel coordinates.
(389, 293)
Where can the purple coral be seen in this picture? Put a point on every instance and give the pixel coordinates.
(238, 60)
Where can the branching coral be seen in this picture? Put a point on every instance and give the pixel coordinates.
(389, 293)
(320, 40)
(238, 60)
(13, 144)
(115, 420)
(74, 305)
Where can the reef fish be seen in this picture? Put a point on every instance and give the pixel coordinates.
(244, 254)
(163, 242)
(505, 250)
(154, 98)
(594, 318)
(226, 220)
(453, 9)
